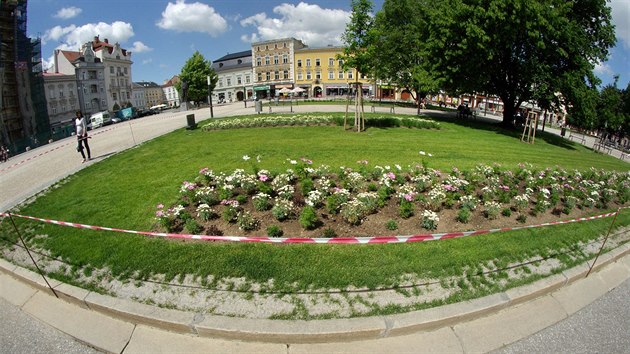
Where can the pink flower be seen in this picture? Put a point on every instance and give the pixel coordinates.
(390, 175)
(160, 206)
(504, 188)
(159, 213)
(263, 178)
(203, 171)
(449, 188)
(306, 161)
(362, 162)
(408, 197)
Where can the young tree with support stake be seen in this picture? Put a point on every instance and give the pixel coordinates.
(357, 53)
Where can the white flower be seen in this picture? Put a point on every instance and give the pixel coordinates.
(422, 153)
(430, 155)
(292, 162)
(246, 157)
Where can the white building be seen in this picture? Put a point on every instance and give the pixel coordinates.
(61, 98)
(117, 63)
(234, 72)
(171, 95)
(138, 97)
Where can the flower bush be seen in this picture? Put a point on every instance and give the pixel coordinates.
(353, 194)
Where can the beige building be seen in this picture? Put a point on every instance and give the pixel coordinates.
(117, 63)
(153, 93)
(62, 99)
(321, 74)
(273, 66)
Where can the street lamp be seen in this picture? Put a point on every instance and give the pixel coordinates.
(210, 97)
(245, 95)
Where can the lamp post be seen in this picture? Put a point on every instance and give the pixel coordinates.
(210, 97)
(245, 95)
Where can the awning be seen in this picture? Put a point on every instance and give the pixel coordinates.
(261, 88)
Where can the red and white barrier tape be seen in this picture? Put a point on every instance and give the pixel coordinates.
(337, 240)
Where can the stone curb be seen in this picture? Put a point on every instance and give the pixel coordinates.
(339, 330)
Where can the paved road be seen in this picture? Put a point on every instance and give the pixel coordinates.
(601, 327)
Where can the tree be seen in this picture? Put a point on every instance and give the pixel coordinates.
(195, 73)
(400, 32)
(610, 108)
(357, 53)
(519, 50)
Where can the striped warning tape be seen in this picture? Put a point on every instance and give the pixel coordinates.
(336, 240)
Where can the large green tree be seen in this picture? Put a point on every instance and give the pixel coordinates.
(399, 37)
(519, 50)
(195, 73)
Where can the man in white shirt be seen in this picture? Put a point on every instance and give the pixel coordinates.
(82, 136)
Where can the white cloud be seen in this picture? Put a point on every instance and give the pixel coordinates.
(147, 61)
(315, 26)
(621, 19)
(139, 47)
(194, 17)
(72, 37)
(603, 69)
(68, 12)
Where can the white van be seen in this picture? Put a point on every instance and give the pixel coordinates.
(100, 119)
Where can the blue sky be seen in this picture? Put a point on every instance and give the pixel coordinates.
(163, 34)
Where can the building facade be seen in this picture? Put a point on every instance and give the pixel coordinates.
(89, 74)
(23, 116)
(117, 62)
(171, 95)
(153, 93)
(62, 99)
(273, 66)
(320, 74)
(138, 98)
(234, 73)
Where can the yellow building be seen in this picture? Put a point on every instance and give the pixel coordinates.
(320, 74)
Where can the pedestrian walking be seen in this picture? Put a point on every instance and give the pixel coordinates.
(4, 154)
(82, 136)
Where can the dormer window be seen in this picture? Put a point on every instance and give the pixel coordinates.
(220, 65)
(239, 61)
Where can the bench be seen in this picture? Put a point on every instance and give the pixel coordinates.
(602, 146)
(577, 137)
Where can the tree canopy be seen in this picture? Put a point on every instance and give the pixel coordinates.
(195, 73)
(519, 50)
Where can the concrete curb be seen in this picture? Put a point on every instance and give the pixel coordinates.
(566, 292)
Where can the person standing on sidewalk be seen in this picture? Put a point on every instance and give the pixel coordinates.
(82, 136)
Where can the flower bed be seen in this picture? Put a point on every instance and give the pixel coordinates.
(276, 120)
(369, 201)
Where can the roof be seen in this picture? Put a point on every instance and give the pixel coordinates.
(97, 45)
(71, 56)
(243, 54)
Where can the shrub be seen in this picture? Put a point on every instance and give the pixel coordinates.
(282, 209)
(241, 199)
(522, 218)
(406, 209)
(246, 221)
(329, 233)
(464, 215)
(205, 213)
(469, 202)
(192, 226)
(506, 212)
(306, 185)
(335, 200)
(429, 220)
(491, 209)
(391, 225)
(261, 201)
(353, 212)
(274, 231)
(308, 218)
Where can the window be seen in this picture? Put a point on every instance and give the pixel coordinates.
(299, 63)
(300, 76)
(114, 96)
(259, 76)
(111, 69)
(51, 89)
(284, 45)
(308, 75)
(220, 83)
(258, 61)
(285, 59)
(340, 74)
(239, 81)
(92, 74)
(331, 61)
(317, 63)
(103, 103)
(340, 63)
(247, 79)
(275, 46)
(275, 60)
(350, 74)
(128, 95)
(331, 75)
(61, 93)
(125, 71)
(277, 75)
(308, 62)
(93, 89)
(101, 88)
(318, 75)
(229, 82)
(258, 49)
(239, 61)
(266, 60)
(286, 74)
(268, 75)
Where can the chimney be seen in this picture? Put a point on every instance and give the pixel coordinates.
(96, 40)
(106, 40)
(56, 63)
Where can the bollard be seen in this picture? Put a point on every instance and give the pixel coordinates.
(190, 118)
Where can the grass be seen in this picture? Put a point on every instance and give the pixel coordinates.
(123, 191)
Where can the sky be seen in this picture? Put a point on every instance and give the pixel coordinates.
(163, 34)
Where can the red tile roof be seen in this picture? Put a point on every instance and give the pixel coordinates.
(71, 56)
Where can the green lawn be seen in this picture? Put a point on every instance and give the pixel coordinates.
(123, 191)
